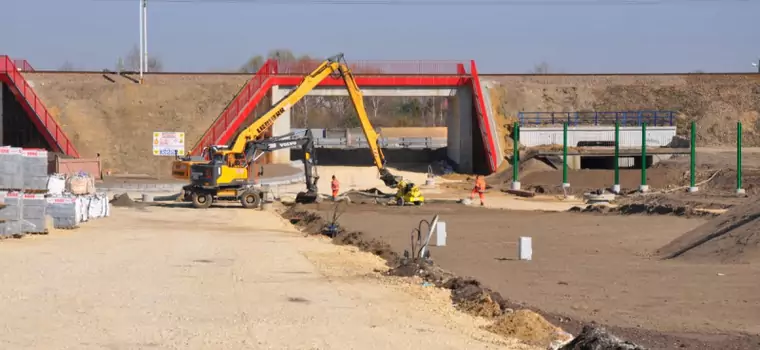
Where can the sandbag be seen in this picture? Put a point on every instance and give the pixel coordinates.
(56, 184)
(80, 184)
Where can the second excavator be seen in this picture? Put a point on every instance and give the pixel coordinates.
(226, 175)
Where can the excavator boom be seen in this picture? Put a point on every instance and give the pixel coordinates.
(334, 66)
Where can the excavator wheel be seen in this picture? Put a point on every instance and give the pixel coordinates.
(201, 200)
(307, 197)
(400, 201)
(250, 200)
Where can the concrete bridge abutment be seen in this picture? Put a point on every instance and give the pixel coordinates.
(459, 117)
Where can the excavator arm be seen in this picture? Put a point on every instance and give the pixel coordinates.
(357, 99)
(334, 66)
(254, 149)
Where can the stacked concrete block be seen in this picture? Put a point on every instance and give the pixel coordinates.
(11, 168)
(12, 213)
(65, 211)
(35, 166)
(34, 213)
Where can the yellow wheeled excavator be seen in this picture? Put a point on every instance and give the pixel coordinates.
(226, 175)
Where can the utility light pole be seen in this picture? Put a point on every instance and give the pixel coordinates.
(143, 37)
(756, 65)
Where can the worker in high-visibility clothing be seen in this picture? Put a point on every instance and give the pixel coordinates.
(480, 189)
(335, 186)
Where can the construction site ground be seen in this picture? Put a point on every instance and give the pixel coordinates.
(596, 266)
(163, 277)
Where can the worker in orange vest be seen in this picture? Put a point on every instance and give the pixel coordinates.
(480, 189)
(335, 186)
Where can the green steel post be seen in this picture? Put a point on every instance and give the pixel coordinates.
(616, 185)
(738, 157)
(515, 152)
(643, 155)
(564, 154)
(693, 160)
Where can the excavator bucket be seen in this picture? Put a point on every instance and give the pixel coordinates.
(307, 197)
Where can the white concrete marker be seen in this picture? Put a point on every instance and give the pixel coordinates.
(643, 188)
(515, 185)
(565, 185)
(740, 192)
(525, 248)
(693, 189)
(616, 189)
(440, 234)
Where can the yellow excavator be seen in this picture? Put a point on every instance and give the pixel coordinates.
(226, 175)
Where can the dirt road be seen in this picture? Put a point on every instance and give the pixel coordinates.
(170, 278)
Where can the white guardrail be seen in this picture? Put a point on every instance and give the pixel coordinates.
(390, 142)
(353, 138)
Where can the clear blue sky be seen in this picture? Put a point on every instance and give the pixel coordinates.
(680, 36)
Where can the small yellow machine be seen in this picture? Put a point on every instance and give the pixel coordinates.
(408, 193)
(226, 175)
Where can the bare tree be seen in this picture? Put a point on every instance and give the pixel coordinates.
(66, 66)
(132, 61)
(541, 68)
(253, 64)
(376, 103)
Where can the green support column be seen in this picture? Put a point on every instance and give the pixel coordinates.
(516, 156)
(616, 184)
(644, 187)
(693, 159)
(739, 189)
(565, 183)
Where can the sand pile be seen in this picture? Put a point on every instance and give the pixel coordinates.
(733, 237)
(122, 200)
(527, 326)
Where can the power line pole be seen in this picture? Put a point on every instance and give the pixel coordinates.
(142, 37)
(145, 34)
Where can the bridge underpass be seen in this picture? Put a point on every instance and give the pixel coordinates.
(16, 127)
(464, 147)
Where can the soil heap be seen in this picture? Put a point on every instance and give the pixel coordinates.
(733, 237)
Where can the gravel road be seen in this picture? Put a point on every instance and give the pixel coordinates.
(222, 278)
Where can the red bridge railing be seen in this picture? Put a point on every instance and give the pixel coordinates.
(23, 65)
(237, 110)
(402, 67)
(42, 119)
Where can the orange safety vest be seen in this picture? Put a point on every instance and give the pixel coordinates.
(480, 184)
(335, 184)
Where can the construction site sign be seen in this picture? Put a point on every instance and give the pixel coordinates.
(168, 143)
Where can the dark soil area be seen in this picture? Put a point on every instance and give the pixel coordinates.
(733, 237)
(582, 272)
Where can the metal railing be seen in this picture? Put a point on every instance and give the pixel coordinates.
(625, 118)
(399, 67)
(231, 114)
(44, 118)
(385, 142)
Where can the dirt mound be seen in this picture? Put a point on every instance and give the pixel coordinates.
(117, 117)
(122, 200)
(527, 326)
(598, 338)
(733, 237)
(716, 102)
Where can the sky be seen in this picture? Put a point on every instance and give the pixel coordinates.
(672, 36)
